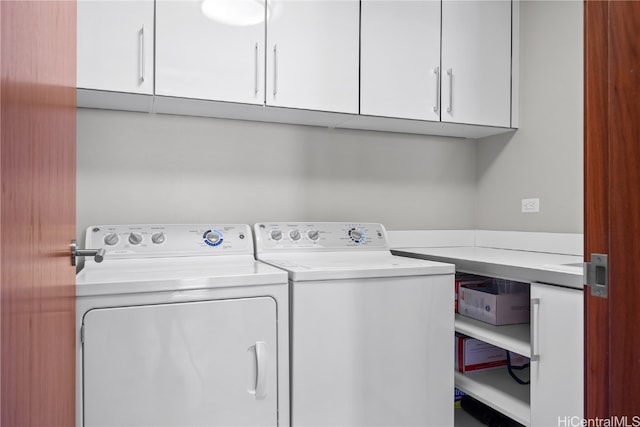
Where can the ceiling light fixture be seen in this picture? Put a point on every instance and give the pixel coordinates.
(235, 12)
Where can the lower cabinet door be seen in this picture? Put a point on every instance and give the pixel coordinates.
(557, 355)
(197, 363)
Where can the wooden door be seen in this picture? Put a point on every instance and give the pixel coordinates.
(37, 141)
(612, 206)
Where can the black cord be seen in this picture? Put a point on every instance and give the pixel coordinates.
(511, 368)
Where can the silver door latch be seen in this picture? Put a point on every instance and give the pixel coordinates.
(596, 275)
(97, 254)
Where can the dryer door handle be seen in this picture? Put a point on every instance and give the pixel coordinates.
(261, 369)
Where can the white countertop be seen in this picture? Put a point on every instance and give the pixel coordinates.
(524, 266)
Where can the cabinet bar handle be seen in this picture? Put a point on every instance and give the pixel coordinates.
(141, 51)
(535, 313)
(436, 71)
(256, 81)
(450, 74)
(275, 70)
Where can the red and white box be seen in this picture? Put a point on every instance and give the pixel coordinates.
(467, 279)
(473, 355)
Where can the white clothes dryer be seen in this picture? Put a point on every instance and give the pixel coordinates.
(180, 326)
(372, 334)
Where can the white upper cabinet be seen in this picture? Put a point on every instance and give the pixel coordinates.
(210, 57)
(400, 59)
(313, 55)
(115, 45)
(476, 62)
(449, 66)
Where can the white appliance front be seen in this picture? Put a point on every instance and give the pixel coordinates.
(181, 364)
(368, 347)
(181, 340)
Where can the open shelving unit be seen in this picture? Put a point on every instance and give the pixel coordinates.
(548, 262)
(495, 387)
(498, 390)
(515, 338)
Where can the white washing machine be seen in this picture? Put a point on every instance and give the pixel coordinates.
(180, 326)
(371, 333)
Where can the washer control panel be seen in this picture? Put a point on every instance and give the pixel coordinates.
(319, 236)
(159, 240)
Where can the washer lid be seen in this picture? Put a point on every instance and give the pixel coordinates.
(175, 273)
(352, 265)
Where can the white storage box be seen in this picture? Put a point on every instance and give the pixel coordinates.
(499, 302)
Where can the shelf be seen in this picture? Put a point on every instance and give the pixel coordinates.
(510, 337)
(497, 389)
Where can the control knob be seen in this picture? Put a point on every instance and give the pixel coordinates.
(213, 237)
(111, 239)
(135, 238)
(158, 238)
(356, 235)
(276, 234)
(313, 234)
(294, 234)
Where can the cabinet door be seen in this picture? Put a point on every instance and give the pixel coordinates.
(199, 363)
(400, 59)
(204, 58)
(115, 45)
(557, 354)
(313, 55)
(476, 62)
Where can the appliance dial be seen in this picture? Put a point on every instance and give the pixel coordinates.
(111, 239)
(158, 238)
(356, 235)
(135, 238)
(276, 234)
(213, 237)
(313, 234)
(294, 234)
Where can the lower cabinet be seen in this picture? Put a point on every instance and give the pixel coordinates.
(554, 342)
(556, 354)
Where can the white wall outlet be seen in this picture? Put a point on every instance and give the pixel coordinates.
(530, 205)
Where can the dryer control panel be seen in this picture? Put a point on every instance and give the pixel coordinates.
(163, 240)
(319, 236)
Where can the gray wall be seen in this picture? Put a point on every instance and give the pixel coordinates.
(543, 159)
(135, 167)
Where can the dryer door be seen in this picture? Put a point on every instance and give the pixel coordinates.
(196, 363)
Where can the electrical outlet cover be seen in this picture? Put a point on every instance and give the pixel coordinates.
(530, 205)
